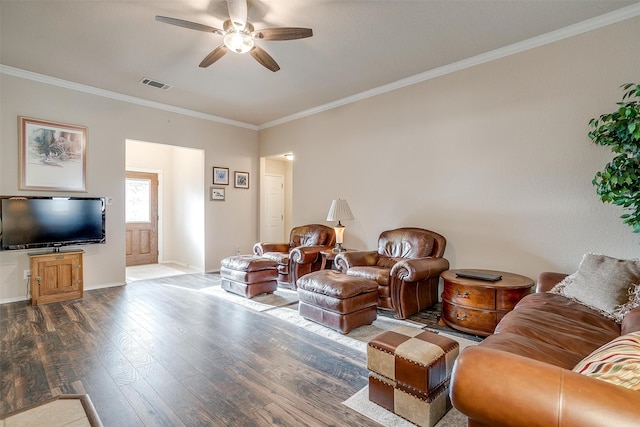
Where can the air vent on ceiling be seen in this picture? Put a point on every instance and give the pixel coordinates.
(156, 84)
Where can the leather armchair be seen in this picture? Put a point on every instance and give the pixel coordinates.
(301, 254)
(406, 266)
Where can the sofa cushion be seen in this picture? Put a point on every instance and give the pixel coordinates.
(606, 284)
(617, 362)
(552, 329)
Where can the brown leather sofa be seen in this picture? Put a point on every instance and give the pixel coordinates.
(522, 375)
(406, 266)
(300, 255)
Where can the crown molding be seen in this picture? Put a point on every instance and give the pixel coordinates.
(16, 72)
(554, 36)
(544, 39)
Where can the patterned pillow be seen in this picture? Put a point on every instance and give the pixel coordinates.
(606, 284)
(617, 362)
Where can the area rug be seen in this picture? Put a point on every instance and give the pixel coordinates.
(263, 302)
(61, 411)
(358, 337)
(360, 402)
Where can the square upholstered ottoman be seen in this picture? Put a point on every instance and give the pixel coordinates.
(337, 300)
(249, 275)
(410, 369)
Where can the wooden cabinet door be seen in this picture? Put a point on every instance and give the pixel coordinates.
(56, 277)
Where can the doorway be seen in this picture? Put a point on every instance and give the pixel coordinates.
(141, 218)
(276, 201)
(180, 211)
(273, 221)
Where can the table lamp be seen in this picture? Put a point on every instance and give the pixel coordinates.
(338, 211)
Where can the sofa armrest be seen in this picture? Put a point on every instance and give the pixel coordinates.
(346, 260)
(548, 279)
(261, 247)
(496, 388)
(307, 254)
(417, 269)
(631, 322)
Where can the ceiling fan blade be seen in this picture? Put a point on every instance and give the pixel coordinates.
(215, 54)
(264, 58)
(285, 33)
(189, 24)
(238, 13)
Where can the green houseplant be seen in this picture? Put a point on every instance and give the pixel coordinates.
(619, 182)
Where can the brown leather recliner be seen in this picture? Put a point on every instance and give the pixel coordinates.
(301, 254)
(406, 266)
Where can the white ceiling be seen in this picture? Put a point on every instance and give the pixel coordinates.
(357, 46)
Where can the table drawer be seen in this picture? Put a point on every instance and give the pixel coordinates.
(481, 322)
(470, 296)
(506, 299)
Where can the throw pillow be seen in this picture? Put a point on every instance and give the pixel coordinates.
(603, 283)
(617, 362)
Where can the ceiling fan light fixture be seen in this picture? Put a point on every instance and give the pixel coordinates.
(238, 41)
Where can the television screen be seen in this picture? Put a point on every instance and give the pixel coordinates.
(36, 222)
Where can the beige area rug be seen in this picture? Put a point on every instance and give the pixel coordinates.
(155, 271)
(358, 337)
(62, 411)
(281, 297)
(360, 402)
(283, 305)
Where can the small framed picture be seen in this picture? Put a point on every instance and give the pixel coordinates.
(216, 193)
(220, 176)
(241, 179)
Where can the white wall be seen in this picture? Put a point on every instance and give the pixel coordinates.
(110, 122)
(495, 157)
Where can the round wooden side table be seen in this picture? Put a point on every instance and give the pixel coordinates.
(476, 306)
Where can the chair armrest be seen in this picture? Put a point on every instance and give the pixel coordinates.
(631, 322)
(548, 279)
(307, 254)
(417, 269)
(348, 259)
(260, 248)
(497, 388)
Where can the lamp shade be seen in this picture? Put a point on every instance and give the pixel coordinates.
(339, 210)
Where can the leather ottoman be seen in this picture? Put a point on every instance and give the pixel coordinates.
(338, 301)
(249, 275)
(410, 370)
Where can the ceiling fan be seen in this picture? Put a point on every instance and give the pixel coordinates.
(240, 36)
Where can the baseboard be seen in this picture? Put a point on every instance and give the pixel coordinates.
(104, 285)
(14, 299)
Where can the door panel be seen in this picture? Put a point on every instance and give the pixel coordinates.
(141, 218)
(274, 209)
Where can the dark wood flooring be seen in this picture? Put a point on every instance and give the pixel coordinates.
(159, 353)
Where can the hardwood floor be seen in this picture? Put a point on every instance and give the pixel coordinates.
(159, 353)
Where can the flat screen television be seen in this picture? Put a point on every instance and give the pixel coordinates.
(43, 222)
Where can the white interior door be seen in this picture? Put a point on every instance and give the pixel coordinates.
(273, 214)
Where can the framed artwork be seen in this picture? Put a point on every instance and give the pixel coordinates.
(220, 176)
(53, 156)
(241, 179)
(216, 193)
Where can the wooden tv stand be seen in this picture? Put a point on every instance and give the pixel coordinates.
(56, 276)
